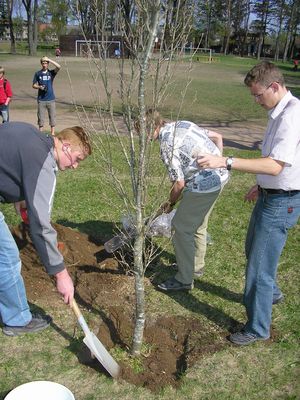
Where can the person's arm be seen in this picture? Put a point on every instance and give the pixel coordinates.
(8, 92)
(217, 139)
(35, 83)
(175, 194)
(263, 165)
(36, 86)
(39, 197)
(56, 65)
(252, 194)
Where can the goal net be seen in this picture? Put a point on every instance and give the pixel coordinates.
(198, 54)
(98, 49)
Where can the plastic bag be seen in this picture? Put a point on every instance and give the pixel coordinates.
(161, 225)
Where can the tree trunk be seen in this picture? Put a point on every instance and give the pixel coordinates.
(35, 27)
(228, 28)
(140, 239)
(280, 20)
(10, 6)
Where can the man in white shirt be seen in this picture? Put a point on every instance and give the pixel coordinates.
(277, 196)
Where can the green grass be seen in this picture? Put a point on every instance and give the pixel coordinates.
(215, 95)
(264, 370)
(86, 202)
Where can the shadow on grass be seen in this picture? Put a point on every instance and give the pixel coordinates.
(76, 345)
(4, 394)
(219, 291)
(212, 313)
(98, 231)
(237, 145)
(189, 301)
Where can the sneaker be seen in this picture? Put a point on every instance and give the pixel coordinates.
(243, 338)
(277, 300)
(173, 284)
(38, 323)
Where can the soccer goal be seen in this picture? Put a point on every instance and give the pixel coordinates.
(199, 54)
(97, 48)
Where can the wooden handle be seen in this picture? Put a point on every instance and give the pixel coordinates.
(76, 309)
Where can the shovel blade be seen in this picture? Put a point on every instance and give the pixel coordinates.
(102, 355)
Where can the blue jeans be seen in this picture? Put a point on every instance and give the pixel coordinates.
(14, 309)
(4, 112)
(267, 233)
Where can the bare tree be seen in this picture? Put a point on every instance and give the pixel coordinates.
(10, 9)
(143, 80)
(31, 7)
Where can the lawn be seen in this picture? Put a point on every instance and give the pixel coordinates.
(86, 202)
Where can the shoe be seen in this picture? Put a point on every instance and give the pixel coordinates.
(37, 324)
(173, 284)
(199, 274)
(243, 338)
(277, 300)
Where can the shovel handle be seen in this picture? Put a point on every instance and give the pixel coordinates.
(76, 309)
(80, 318)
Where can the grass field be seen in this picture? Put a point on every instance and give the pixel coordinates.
(215, 92)
(86, 202)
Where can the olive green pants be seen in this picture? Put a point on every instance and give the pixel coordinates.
(189, 239)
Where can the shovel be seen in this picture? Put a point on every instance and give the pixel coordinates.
(96, 347)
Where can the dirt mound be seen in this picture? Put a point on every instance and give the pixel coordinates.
(171, 343)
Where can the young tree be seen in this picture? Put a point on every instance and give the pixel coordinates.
(142, 82)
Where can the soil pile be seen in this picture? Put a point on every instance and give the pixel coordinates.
(171, 343)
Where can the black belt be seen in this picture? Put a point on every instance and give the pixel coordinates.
(279, 191)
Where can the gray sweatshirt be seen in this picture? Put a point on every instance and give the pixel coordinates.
(28, 172)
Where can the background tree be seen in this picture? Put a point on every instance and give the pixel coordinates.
(240, 22)
(263, 10)
(31, 8)
(280, 11)
(57, 13)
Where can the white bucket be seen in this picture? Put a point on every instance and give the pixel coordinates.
(40, 390)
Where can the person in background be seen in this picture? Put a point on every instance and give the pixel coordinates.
(276, 193)
(196, 191)
(57, 52)
(5, 96)
(29, 161)
(43, 81)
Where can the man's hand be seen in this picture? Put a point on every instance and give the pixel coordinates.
(18, 205)
(211, 161)
(252, 195)
(166, 208)
(64, 286)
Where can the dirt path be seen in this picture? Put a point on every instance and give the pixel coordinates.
(245, 136)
